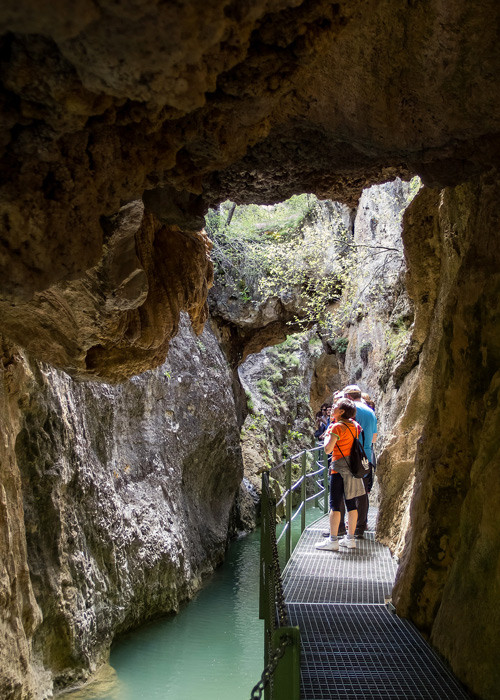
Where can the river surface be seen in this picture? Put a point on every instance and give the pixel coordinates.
(213, 649)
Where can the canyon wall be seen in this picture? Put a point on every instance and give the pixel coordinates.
(448, 582)
(121, 497)
(429, 352)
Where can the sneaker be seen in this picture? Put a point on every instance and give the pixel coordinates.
(359, 536)
(346, 542)
(329, 545)
(327, 534)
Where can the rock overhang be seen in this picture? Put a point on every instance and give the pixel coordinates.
(187, 105)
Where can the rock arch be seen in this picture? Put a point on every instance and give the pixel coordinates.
(185, 105)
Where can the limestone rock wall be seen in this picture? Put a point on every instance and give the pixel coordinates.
(124, 494)
(20, 613)
(117, 320)
(375, 309)
(426, 345)
(448, 582)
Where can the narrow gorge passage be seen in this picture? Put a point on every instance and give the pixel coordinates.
(148, 315)
(139, 460)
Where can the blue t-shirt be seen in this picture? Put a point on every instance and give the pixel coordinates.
(368, 421)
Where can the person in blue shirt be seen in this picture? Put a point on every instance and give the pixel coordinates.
(367, 419)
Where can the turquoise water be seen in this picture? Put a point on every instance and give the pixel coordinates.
(213, 648)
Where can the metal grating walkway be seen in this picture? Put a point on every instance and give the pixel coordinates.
(352, 646)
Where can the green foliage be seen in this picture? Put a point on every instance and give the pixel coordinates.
(314, 341)
(250, 406)
(265, 388)
(266, 251)
(288, 360)
(294, 435)
(257, 423)
(340, 345)
(292, 342)
(289, 389)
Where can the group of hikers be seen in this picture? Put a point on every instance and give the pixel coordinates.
(352, 415)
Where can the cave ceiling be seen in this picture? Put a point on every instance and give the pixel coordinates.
(186, 104)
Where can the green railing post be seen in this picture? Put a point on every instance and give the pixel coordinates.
(316, 500)
(264, 546)
(288, 511)
(325, 483)
(286, 682)
(303, 492)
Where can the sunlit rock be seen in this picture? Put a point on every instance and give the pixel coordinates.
(127, 493)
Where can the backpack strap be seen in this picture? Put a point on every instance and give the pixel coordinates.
(362, 433)
(346, 425)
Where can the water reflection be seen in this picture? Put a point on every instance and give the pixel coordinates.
(105, 685)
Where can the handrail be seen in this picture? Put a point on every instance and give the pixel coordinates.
(287, 496)
(281, 677)
(282, 464)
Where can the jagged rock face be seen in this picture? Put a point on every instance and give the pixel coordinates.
(246, 328)
(279, 422)
(448, 580)
(20, 613)
(197, 103)
(127, 493)
(377, 311)
(117, 320)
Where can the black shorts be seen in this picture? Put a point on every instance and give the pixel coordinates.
(337, 494)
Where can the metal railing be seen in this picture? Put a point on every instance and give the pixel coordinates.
(320, 484)
(281, 677)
